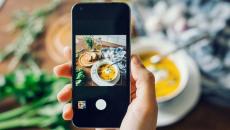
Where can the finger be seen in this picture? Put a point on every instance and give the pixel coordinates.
(135, 60)
(68, 53)
(65, 94)
(144, 80)
(63, 70)
(133, 88)
(67, 112)
(141, 112)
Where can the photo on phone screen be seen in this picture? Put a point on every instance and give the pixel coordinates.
(101, 64)
(103, 59)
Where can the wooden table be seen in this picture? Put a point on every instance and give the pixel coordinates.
(204, 117)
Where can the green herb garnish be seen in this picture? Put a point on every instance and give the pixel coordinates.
(89, 42)
(80, 77)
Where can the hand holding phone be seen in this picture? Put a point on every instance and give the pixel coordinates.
(142, 112)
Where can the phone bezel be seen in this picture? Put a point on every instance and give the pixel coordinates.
(75, 9)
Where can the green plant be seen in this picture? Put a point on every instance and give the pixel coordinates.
(31, 26)
(80, 77)
(89, 41)
(34, 89)
(36, 92)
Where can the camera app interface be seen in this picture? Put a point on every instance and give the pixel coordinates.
(100, 61)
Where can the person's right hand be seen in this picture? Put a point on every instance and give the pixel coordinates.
(141, 113)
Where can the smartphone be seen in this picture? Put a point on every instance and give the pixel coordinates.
(101, 64)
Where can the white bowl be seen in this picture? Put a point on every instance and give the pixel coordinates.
(150, 44)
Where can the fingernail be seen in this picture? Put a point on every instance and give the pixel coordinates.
(136, 60)
(65, 108)
(66, 48)
(55, 71)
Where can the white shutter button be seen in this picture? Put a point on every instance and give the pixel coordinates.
(100, 104)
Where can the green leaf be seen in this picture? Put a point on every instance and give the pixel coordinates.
(89, 42)
(78, 82)
(20, 19)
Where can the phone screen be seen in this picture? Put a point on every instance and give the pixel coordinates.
(101, 64)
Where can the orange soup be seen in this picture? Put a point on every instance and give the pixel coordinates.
(107, 72)
(166, 74)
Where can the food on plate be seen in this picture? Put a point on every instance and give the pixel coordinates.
(167, 75)
(107, 72)
(86, 59)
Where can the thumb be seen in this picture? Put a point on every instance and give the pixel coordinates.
(145, 82)
(142, 111)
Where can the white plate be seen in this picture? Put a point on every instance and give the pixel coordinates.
(176, 109)
(178, 59)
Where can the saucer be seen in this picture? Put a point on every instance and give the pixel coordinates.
(176, 109)
(172, 111)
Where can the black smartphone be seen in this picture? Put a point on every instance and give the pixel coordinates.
(101, 64)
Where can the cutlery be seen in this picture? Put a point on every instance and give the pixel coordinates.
(159, 57)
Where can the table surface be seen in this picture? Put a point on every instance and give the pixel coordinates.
(204, 116)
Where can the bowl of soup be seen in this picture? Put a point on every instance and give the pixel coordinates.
(107, 71)
(171, 73)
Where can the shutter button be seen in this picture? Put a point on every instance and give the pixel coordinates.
(100, 104)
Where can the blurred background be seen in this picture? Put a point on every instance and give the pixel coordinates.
(34, 32)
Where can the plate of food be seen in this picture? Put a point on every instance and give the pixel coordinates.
(171, 74)
(177, 79)
(105, 73)
(87, 58)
